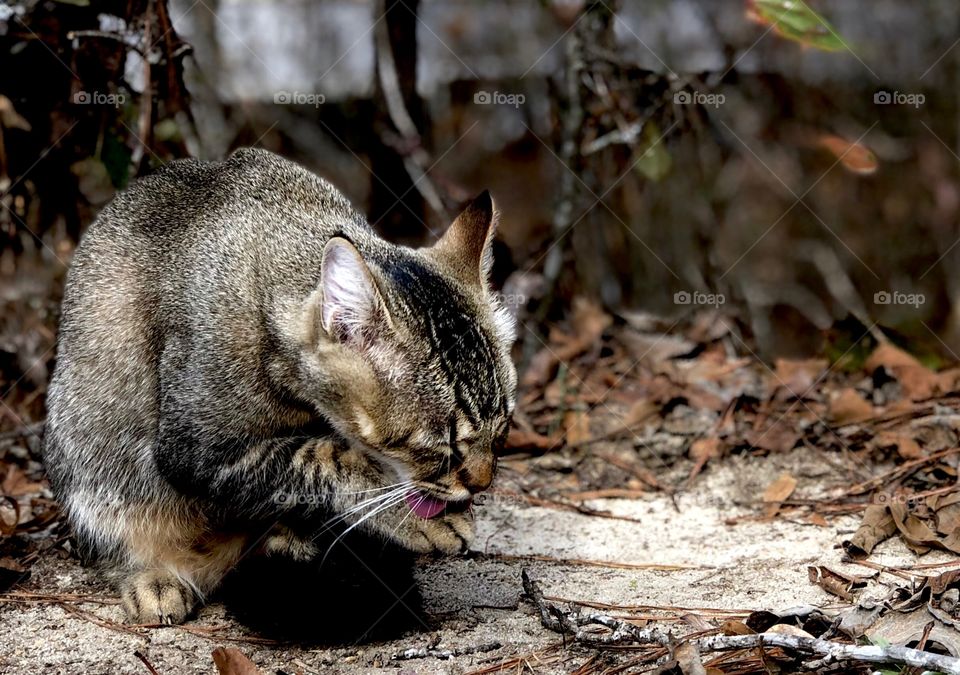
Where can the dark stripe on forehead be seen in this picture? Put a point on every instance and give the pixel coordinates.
(463, 350)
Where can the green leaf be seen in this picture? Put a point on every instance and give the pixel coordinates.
(654, 163)
(795, 20)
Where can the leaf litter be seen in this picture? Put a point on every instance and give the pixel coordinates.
(619, 407)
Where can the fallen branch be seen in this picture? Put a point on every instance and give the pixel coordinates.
(580, 624)
(429, 653)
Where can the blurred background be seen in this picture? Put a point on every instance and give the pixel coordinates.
(788, 165)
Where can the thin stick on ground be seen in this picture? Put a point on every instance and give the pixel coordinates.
(146, 663)
(592, 563)
(581, 626)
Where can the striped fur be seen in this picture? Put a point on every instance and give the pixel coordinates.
(242, 360)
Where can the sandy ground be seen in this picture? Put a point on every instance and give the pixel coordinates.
(476, 601)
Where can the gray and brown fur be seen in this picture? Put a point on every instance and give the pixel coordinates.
(240, 354)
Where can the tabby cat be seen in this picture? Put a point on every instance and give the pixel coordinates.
(243, 364)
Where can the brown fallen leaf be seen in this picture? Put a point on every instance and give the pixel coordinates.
(9, 515)
(848, 407)
(788, 629)
(780, 436)
(542, 368)
(795, 378)
(853, 156)
(777, 492)
(231, 661)
(640, 412)
(576, 424)
(702, 450)
(877, 526)
(15, 483)
(904, 629)
(688, 659)
(731, 627)
(906, 447)
(917, 381)
(835, 583)
(915, 532)
(521, 440)
(947, 512)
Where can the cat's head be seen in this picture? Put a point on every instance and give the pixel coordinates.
(416, 354)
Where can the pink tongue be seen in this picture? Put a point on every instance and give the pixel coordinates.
(424, 505)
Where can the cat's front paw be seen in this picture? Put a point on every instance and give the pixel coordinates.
(449, 533)
(156, 597)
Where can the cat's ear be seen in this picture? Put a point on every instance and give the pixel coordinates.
(467, 246)
(351, 307)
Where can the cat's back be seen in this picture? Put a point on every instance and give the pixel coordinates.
(188, 196)
(192, 251)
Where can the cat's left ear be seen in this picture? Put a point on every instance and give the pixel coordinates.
(351, 307)
(466, 247)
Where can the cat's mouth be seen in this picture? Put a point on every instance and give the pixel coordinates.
(427, 506)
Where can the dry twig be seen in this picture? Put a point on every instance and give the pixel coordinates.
(580, 624)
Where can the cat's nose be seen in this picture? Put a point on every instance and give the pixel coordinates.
(476, 473)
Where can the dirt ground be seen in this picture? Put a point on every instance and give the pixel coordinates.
(676, 552)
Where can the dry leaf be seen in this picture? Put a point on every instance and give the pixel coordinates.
(542, 369)
(905, 446)
(916, 534)
(688, 659)
(877, 526)
(780, 436)
(16, 483)
(640, 412)
(518, 439)
(788, 629)
(917, 381)
(855, 157)
(231, 661)
(702, 450)
(835, 583)
(889, 356)
(848, 407)
(576, 424)
(777, 492)
(732, 627)
(797, 377)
